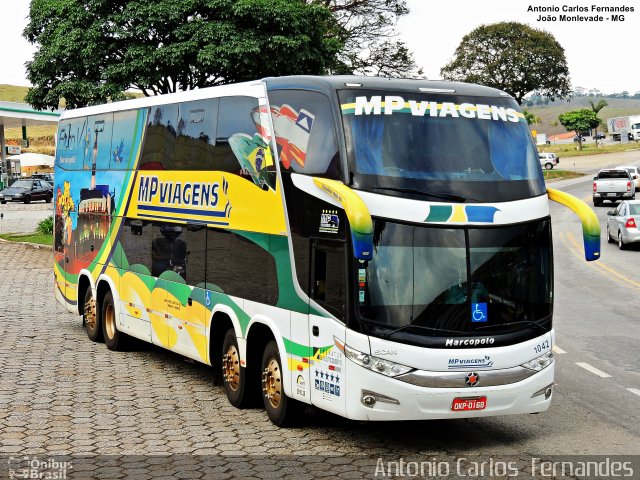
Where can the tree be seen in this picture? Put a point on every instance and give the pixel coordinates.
(512, 57)
(90, 51)
(596, 107)
(531, 118)
(367, 29)
(579, 121)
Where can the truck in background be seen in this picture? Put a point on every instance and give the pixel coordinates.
(630, 123)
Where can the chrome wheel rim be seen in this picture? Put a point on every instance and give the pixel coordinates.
(272, 383)
(231, 368)
(110, 320)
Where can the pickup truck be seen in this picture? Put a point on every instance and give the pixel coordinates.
(612, 184)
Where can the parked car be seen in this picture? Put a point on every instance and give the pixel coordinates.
(548, 160)
(623, 224)
(612, 184)
(27, 190)
(635, 174)
(599, 136)
(577, 138)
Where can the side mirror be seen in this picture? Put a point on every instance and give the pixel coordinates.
(611, 213)
(595, 178)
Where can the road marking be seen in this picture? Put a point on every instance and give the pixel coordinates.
(558, 350)
(599, 263)
(634, 390)
(593, 370)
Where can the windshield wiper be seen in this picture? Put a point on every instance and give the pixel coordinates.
(406, 327)
(522, 322)
(440, 195)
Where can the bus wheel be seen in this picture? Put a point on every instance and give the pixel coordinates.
(233, 375)
(90, 317)
(113, 339)
(282, 410)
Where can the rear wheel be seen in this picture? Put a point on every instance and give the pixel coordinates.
(113, 339)
(621, 244)
(27, 199)
(282, 410)
(90, 317)
(609, 239)
(596, 203)
(233, 374)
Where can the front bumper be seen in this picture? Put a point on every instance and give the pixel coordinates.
(412, 402)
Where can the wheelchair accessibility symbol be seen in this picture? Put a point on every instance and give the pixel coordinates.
(479, 312)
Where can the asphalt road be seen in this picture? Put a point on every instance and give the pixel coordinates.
(61, 394)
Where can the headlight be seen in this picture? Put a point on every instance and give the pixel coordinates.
(380, 365)
(539, 363)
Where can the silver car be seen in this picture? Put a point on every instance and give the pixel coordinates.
(623, 223)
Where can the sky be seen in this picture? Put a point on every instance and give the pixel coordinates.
(600, 54)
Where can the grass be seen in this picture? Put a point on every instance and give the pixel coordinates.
(42, 239)
(552, 174)
(565, 150)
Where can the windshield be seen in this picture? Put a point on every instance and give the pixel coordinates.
(469, 281)
(22, 184)
(478, 148)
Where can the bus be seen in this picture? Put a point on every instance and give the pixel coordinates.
(378, 248)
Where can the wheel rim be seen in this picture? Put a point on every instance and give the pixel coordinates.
(620, 239)
(272, 383)
(231, 368)
(110, 320)
(90, 317)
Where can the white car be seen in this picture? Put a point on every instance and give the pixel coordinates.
(635, 175)
(548, 160)
(623, 224)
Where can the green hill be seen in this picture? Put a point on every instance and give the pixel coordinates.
(12, 93)
(618, 107)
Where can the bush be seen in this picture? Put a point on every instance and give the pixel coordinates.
(45, 227)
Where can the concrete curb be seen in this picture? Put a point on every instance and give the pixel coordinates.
(37, 246)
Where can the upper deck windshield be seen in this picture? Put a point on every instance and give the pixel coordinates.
(439, 147)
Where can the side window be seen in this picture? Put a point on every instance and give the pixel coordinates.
(72, 143)
(329, 286)
(305, 133)
(97, 142)
(125, 125)
(196, 140)
(240, 267)
(242, 141)
(135, 239)
(160, 138)
(180, 249)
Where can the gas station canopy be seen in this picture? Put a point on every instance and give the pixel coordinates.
(16, 115)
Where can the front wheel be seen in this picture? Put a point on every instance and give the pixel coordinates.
(281, 410)
(548, 166)
(27, 199)
(49, 197)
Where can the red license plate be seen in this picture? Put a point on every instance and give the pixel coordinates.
(463, 404)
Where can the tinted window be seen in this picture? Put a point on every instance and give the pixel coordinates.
(97, 142)
(181, 249)
(136, 244)
(240, 267)
(160, 138)
(73, 143)
(305, 132)
(329, 286)
(613, 174)
(125, 125)
(242, 141)
(195, 143)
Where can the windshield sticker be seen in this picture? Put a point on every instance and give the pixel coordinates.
(479, 312)
(329, 221)
(395, 104)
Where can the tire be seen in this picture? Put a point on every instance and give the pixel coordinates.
(49, 197)
(609, 239)
(621, 244)
(27, 199)
(596, 203)
(234, 375)
(90, 318)
(3, 202)
(281, 410)
(113, 339)
(548, 166)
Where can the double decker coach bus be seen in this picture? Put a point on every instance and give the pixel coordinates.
(378, 248)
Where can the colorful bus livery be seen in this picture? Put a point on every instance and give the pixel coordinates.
(378, 248)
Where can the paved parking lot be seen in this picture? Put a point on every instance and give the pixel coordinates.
(21, 218)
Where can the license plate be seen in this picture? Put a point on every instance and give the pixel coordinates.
(463, 404)
(8, 198)
(612, 194)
